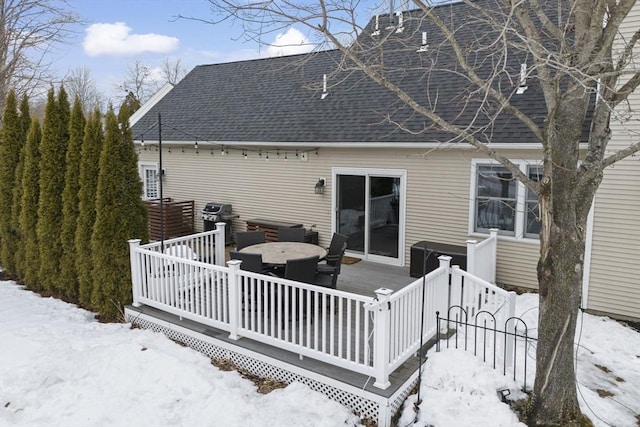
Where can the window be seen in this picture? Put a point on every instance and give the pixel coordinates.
(499, 201)
(532, 225)
(149, 176)
(495, 199)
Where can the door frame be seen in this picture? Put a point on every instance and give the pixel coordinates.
(367, 173)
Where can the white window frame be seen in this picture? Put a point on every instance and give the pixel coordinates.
(142, 168)
(521, 193)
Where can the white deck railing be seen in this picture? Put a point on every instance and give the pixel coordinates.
(481, 257)
(369, 335)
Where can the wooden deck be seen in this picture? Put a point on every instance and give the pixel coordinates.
(398, 379)
(364, 277)
(361, 278)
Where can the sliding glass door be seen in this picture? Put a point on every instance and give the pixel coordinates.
(369, 209)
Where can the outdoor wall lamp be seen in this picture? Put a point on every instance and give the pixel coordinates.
(319, 188)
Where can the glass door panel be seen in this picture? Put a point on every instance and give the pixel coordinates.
(351, 210)
(369, 210)
(384, 221)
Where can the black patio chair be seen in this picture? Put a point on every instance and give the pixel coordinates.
(291, 234)
(253, 263)
(250, 262)
(334, 256)
(327, 275)
(248, 238)
(301, 270)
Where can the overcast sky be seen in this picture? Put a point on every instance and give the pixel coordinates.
(116, 33)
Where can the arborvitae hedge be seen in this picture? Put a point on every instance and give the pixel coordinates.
(53, 150)
(16, 208)
(11, 142)
(30, 263)
(68, 281)
(89, 167)
(121, 216)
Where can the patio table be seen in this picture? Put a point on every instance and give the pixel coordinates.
(278, 253)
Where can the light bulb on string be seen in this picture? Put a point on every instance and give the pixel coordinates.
(267, 159)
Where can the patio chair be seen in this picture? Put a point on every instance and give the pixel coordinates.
(250, 262)
(253, 263)
(301, 269)
(291, 234)
(248, 238)
(334, 257)
(327, 275)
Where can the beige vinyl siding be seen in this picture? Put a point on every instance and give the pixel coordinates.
(614, 281)
(437, 207)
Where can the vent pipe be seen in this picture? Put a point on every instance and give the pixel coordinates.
(324, 87)
(523, 79)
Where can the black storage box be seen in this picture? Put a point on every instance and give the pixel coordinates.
(432, 250)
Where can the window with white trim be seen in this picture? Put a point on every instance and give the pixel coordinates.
(499, 201)
(149, 176)
(532, 209)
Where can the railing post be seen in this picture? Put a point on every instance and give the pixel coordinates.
(471, 256)
(382, 339)
(456, 287)
(235, 302)
(135, 270)
(220, 244)
(511, 313)
(442, 303)
(493, 235)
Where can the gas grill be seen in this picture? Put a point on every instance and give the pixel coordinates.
(218, 212)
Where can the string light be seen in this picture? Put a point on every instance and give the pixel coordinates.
(224, 150)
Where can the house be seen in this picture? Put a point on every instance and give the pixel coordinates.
(263, 135)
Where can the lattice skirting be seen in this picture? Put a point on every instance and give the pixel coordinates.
(362, 402)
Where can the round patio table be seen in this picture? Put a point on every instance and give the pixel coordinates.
(278, 253)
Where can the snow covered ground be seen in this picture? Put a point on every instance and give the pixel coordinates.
(59, 367)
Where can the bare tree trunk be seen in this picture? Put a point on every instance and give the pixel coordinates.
(564, 208)
(560, 278)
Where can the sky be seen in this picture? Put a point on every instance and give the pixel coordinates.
(116, 33)
(60, 367)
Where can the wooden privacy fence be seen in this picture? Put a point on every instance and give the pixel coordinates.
(370, 335)
(172, 219)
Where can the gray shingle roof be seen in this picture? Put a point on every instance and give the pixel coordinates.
(277, 100)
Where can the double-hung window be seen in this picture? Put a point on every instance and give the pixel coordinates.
(499, 201)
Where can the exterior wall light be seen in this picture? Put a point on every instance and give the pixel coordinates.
(319, 188)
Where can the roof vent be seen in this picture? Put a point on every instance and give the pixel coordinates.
(523, 79)
(376, 31)
(423, 46)
(400, 22)
(324, 87)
